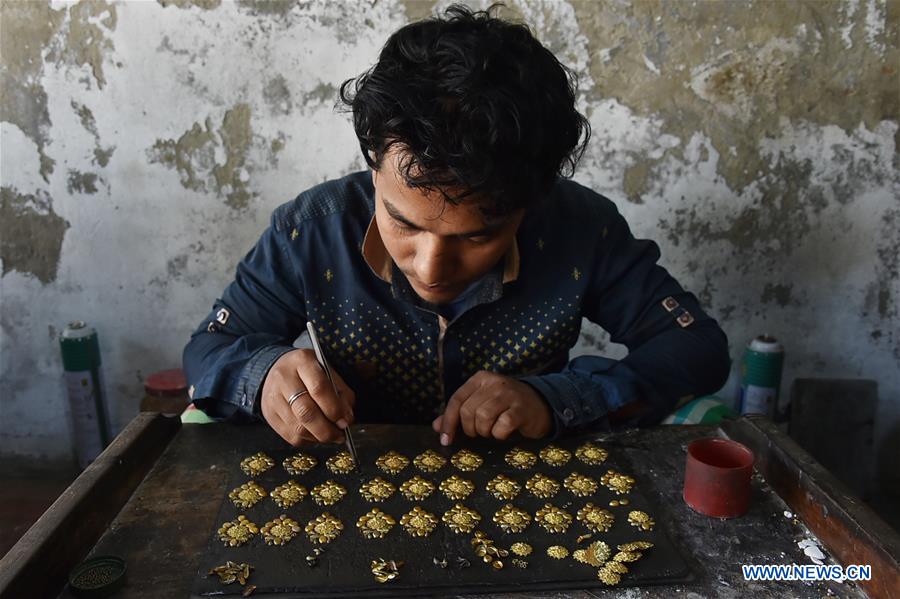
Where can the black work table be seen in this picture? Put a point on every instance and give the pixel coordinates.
(154, 495)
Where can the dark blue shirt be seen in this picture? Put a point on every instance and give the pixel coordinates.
(322, 260)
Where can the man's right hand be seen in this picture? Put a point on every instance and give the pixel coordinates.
(316, 416)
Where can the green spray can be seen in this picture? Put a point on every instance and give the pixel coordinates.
(84, 385)
(761, 376)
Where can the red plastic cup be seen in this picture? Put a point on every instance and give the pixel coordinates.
(717, 477)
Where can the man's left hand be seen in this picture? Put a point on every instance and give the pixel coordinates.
(494, 405)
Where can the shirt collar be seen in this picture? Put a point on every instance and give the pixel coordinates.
(378, 259)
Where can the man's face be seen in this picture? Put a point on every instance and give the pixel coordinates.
(441, 248)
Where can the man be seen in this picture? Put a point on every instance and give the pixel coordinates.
(448, 283)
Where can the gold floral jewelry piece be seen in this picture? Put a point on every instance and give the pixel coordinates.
(487, 551)
(375, 524)
(289, 493)
(555, 456)
(503, 488)
(580, 485)
(511, 519)
(617, 482)
(520, 459)
(461, 519)
(385, 570)
(256, 464)
(627, 556)
(641, 520)
(341, 463)
(635, 546)
(247, 495)
(418, 523)
(594, 554)
(553, 519)
(300, 463)
(521, 549)
(237, 532)
(392, 462)
(324, 528)
(609, 577)
(591, 454)
(429, 461)
(466, 460)
(456, 488)
(328, 493)
(595, 519)
(377, 490)
(617, 567)
(280, 530)
(542, 486)
(416, 488)
(557, 552)
(232, 572)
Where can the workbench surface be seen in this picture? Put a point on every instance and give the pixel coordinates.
(163, 528)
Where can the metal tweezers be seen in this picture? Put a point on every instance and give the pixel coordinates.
(320, 356)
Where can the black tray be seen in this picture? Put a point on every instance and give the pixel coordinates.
(344, 567)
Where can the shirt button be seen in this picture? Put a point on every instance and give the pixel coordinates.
(568, 414)
(244, 400)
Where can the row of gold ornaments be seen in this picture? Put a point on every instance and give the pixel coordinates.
(417, 489)
(428, 461)
(375, 524)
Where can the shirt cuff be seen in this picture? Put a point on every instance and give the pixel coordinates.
(575, 401)
(252, 376)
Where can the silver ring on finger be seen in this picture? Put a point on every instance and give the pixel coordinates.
(297, 395)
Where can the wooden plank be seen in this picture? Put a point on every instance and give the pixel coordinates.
(851, 531)
(38, 565)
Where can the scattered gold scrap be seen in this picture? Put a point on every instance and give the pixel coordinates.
(519, 563)
(392, 462)
(557, 552)
(461, 519)
(328, 493)
(256, 464)
(466, 460)
(503, 488)
(429, 461)
(377, 490)
(417, 488)
(247, 495)
(375, 524)
(289, 493)
(418, 523)
(627, 556)
(280, 530)
(511, 519)
(487, 551)
(341, 463)
(618, 502)
(456, 488)
(237, 532)
(641, 520)
(324, 528)
(300, 463)
(385, 570)
(521, 549)
(635, 546)
(542, 486)
(595, 519)
(594, 554)
(520, 459)
(609, 577)
(232, 572)
(582, 538)
(617, 567)
(248, 590)
(580, 485)
(553, 519)
(555, 456)
(616, 481)
(591, 454)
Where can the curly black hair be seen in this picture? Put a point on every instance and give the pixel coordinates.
(476, 104)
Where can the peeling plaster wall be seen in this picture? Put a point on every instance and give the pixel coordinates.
(144, 145)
